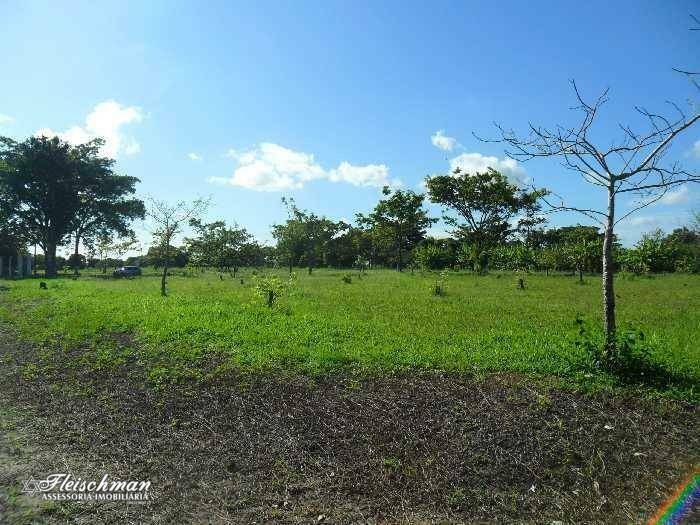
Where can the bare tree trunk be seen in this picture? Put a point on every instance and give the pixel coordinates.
(163, 278)
(166, 260)
(50, 260)
(399, 260)
(77, 254)
(608, 289)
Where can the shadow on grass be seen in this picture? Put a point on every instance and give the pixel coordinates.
(644, 373)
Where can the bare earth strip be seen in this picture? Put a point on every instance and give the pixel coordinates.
(261, 448)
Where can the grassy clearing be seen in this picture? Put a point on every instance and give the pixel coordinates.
(382, 321)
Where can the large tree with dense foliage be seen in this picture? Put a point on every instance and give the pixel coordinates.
(219, 245)
(305, 235)
(13, 239)
(485, 204)
(398, 222)
(50, 185)
(106, 206)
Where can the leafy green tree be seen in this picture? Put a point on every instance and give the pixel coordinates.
(305, 235)
(432, 256)
(583, 253)
(398, 223)
(108, 247)
(657, 253)
(485, 203)
(47, 180)
(344, 249)
(551, 258)
(218, 245)
(156, 256)
(105, 206)
(13, 240)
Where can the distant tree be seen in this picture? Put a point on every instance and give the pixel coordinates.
(177, 257)
(432, 255)
(570, 234)
(218, 245)
(77, 262)
(108, 248)
(398, 222)
(582, 253)
(344, 249)
(484, 204)
(551, 258)
(168, 221)
(304, 234)
(695, 221)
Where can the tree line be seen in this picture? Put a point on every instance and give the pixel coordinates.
(56, 194)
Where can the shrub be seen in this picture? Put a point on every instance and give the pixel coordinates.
(432, 257)
(438, 286)
(631, 357)
(270, 288)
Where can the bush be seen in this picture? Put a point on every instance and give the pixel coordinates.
(270, 288)
(438, 286)
(631, 357)
(432, 257)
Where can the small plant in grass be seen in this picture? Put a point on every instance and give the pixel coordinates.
(347, 278)
(630, 357)
(456, 498)
(271, 287)
(439, 286)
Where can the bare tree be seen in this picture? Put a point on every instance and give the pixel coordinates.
(634, 165)
(168, 221)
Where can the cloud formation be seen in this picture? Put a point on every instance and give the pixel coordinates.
(696, 149)
(106, 121)
(677, 196)
(476, 162)
(193, 156)
(271, 167)
(442, 141)
(5, 119)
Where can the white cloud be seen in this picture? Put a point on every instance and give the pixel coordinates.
(679, 196)
(374, 175)
(5, 119)
(476, 162)
(442, 141)
(271, 167)
(106, 121)
(642, 220)
(193, 156)
(696, 149)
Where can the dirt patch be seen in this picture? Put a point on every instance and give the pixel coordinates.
(261, 448)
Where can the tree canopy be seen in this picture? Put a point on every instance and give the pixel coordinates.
(484, 204)
(54, 187)
(398, 223)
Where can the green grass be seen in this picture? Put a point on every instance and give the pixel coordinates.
(384, 321)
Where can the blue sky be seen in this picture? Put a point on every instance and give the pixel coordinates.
(327, 101)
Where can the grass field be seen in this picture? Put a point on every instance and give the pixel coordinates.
(382, 321)
(345, 402)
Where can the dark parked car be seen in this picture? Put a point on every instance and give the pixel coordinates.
(127, 271)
